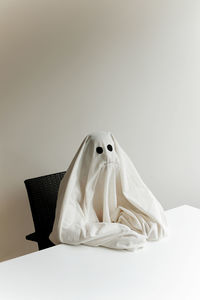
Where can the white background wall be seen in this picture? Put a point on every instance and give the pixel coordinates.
(69, 68)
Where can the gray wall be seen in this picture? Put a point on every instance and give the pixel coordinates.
(69, 68)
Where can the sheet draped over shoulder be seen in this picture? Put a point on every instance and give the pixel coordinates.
(102, 201)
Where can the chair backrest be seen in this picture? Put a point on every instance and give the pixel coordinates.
(42, 192)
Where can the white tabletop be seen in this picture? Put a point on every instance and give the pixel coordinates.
(169, 269)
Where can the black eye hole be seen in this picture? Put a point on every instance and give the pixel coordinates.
(99, 150)
(109, 147)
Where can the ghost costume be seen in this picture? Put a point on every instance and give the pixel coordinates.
(102, 201)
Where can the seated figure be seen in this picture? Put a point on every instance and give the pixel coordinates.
(102, 200)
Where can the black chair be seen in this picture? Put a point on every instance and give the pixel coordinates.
(42, 192)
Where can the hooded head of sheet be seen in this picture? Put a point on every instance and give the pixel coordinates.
(103, 201)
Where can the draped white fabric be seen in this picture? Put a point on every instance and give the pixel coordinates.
(102, 200)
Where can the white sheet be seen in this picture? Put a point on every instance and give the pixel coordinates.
(102, 200)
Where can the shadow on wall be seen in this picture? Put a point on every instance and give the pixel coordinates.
(14, 217)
